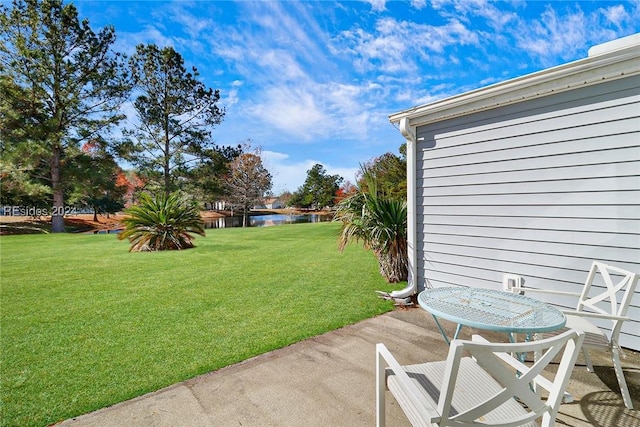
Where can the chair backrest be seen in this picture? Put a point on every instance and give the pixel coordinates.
(608, 290)
(514, 377)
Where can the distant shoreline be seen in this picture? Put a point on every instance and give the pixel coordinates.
(82, 223)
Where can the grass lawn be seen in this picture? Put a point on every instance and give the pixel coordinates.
(86, 324)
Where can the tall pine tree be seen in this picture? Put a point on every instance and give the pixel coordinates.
(62, 85)
(175, 114)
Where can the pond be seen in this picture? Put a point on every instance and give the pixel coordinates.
(265, 220)
(110, 231)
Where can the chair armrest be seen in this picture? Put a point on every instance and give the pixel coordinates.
(517, 290)
(427, 411)
(595, 315)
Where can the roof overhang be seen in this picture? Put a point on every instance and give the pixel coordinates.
(609, 61)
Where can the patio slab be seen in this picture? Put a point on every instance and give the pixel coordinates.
(330, 380)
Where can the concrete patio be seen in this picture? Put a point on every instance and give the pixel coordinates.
(329, 380)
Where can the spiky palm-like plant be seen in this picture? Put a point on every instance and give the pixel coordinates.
(163, 222)
(380, 223)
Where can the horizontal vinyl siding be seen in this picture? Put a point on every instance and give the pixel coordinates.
(540, 189)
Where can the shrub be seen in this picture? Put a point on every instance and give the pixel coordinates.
(164, 222)
(380, 223)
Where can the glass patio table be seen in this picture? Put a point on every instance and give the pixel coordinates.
(490, 309)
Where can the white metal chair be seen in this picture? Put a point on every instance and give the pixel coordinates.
(606, 295)
(482, 389)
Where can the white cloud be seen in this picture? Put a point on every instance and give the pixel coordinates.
(403, 47)
(231, 98)
(319, 110)
(348, 174)
(546, 33)
(290, 72)
(553, 35)
(292, 30)
(279, 65)
(469, 10)
(291, 109)
(127, 42)
(617, 15)
(290, 175)
(193, 25)
(378, 5)
(287, 175)
(291, 86)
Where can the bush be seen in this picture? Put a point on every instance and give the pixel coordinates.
(380, 223)
(162, 223)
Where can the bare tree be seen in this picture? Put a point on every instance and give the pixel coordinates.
(248, 181)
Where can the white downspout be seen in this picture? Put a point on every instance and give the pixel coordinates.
(412, 286)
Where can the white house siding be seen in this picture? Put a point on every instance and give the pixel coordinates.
(539, 188)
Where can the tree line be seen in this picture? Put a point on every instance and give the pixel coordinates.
(63, 127)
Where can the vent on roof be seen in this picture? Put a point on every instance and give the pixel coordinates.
(617, 44)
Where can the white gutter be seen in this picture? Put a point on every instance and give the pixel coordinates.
(412, 286)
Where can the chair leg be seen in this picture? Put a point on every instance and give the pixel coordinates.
(587, 360)
(380, 390)
(626, 397)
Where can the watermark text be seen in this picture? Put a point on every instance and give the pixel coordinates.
(35, 211)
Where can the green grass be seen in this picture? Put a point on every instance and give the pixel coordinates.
(86, 324)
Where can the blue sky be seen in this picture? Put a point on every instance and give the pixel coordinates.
(315, 81)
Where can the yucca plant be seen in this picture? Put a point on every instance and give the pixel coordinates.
(163, 222)
(380, 223)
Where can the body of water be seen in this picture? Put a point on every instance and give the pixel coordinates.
(254, 221)
(112, 231)
(265, 220)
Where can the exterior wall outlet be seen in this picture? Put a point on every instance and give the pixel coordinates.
(509, 281)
